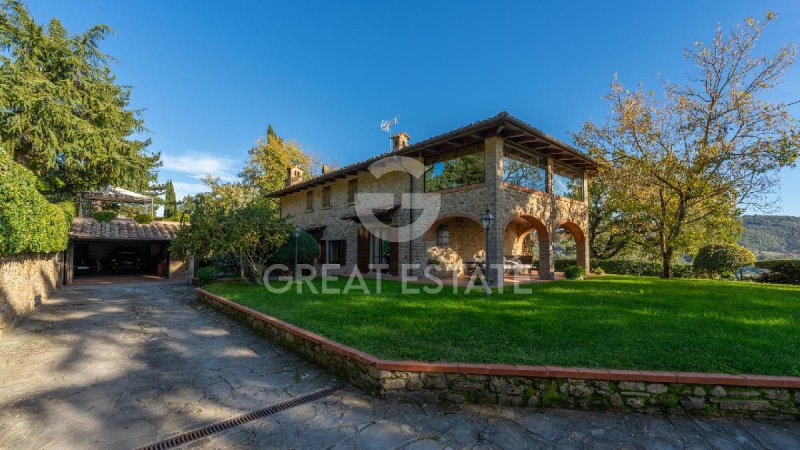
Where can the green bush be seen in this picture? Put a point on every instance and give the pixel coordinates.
(105, 216)
(784, 271)
(143, 218)
(226, 263)
(177, 218)
(28, 222)
(307, 250)
(574, 273)
(207, 275)
(641, 268)
(562, 264)
(629, 267)
(720, 260)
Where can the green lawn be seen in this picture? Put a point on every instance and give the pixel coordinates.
(612, 322)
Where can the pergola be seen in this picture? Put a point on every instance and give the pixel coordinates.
(115, 195)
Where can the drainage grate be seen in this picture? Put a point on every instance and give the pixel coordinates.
(208, 430)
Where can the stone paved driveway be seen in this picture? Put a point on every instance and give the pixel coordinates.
(122, 366)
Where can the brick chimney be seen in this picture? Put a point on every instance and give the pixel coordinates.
(325, 169)
(294, 175)
(399, 141)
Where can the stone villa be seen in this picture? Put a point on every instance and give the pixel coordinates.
(531, 182)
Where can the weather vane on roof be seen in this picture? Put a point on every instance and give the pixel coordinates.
(386, 125)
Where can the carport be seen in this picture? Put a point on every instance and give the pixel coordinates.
(121, 250)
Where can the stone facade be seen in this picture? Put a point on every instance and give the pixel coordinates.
(25, 282)
(536, 386)
(293, 207)
(518, 211)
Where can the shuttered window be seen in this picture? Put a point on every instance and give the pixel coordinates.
(326, 197)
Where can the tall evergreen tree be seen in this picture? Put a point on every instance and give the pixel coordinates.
(170, 202)
(62, 114)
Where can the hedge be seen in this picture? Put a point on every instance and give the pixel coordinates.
(786, 271)
(629, 267)
(28, 222)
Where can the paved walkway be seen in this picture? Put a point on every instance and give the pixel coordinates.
(125, 365)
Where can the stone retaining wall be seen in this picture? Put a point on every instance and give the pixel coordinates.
(25, 282)
(539, 386)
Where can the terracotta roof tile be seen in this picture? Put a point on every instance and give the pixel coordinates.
(88, 229)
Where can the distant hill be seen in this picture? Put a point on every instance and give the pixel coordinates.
(771, 237)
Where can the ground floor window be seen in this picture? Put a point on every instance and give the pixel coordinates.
(379, 250)
(334, 251)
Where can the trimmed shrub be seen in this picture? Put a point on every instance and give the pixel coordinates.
(574, 273)
(143, 218)
(720, 260)
(105, 216)
(207, 275)
(784, 271)
(629, 267)
(562, 264)
(307, 250)
(641, 267)
(28, 222)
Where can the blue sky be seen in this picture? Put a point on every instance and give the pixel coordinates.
(211, 76)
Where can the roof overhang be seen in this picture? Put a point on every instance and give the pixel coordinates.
(109, 240)
(379, 213)
(502, 125)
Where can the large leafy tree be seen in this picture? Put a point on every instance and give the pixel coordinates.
(612, 230)
(269, 160)
(232, 220)
(689, 157)
(62, 114)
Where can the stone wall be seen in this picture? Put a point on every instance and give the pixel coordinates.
(537, 386)
(594, 394)
(25, 282)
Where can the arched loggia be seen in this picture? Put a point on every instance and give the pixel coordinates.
(581, 244)
(516, 231)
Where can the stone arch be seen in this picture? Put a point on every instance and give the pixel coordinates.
(522, 225)
(466, 241)
(581, 243)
